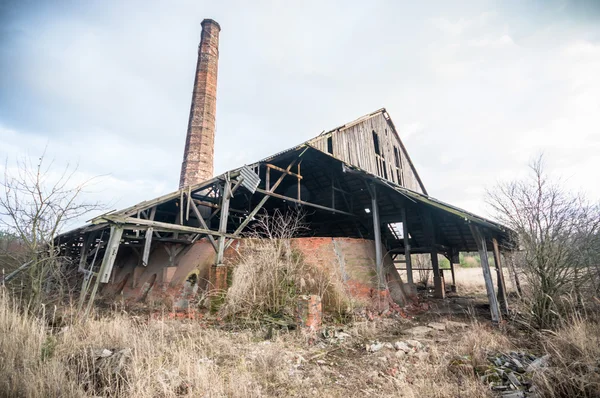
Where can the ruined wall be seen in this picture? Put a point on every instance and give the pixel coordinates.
(179, 283)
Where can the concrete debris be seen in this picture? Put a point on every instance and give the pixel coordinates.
(374, 347)
(101, 353)
(437, 326)
(415, 344)
(389, 346)
(511, 374)
(539, 363)
(402, 346)
(456, 325)
(421, 355)
(419, 331)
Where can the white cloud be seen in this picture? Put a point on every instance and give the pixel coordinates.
(475, 93)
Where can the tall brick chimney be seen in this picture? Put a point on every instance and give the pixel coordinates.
(199, 150)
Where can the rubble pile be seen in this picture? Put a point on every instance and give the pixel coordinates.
(511, 374)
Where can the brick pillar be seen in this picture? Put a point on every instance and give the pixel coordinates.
(198, 155)
(309, 312)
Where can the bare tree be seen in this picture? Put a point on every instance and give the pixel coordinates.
(36, 203)
(556, 231)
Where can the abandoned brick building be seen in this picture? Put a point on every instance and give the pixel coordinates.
(366, 209)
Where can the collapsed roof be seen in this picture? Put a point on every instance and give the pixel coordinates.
(332, 177)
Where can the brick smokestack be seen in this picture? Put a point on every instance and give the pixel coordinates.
(199, 150)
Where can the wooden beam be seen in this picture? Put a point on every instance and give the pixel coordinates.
(203, 223)
(160, 200)
(487, 275)
(288, 172)
(437, 276)
(147, 245)
(111, 253)
(131, 223)
(407, 255)
(377, 234)
(503, 302)
(259, 206)
(454, 259)
(276, 195)
(85, 249)
(223, 222)
(112, 247)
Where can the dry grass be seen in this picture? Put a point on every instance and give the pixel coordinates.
(173, 359)
(574, 369)
(271, 275)
(159, 358)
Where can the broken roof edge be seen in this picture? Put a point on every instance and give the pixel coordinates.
(424, 198)
(99, 221)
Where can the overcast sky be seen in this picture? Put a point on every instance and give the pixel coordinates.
(476, 89)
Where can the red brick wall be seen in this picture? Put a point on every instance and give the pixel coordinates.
(198, 155)
(352, 259)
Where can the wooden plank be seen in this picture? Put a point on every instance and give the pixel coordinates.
(316, 206)
(203, 223)
(131, 223)
(110, 255)
(407, 254)
(223, 223)
(147, 245)
(161, 199)
(84, 251)
(288, 172)
(487, 275)
(502, 300)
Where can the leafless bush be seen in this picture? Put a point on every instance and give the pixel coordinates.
(559, 234)
(36, 202)
(271, 274)
(422, 263)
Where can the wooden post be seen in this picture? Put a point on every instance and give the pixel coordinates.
(147, 245)
(409, 271)
(487, 275)
(377, 234)
(500, 280)
(112, 248)
(223, 222)
(438, 286)
(454, 259)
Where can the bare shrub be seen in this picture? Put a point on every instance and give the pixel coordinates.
(558, 232)
(271, 274)
(36, 202)
(422, 263)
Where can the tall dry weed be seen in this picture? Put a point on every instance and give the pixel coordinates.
(270, 274)
(574, 361)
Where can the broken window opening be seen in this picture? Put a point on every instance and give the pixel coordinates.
(330, 145)
(396, 230)
(376, 143)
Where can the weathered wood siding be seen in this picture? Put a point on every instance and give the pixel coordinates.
(355, 144)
